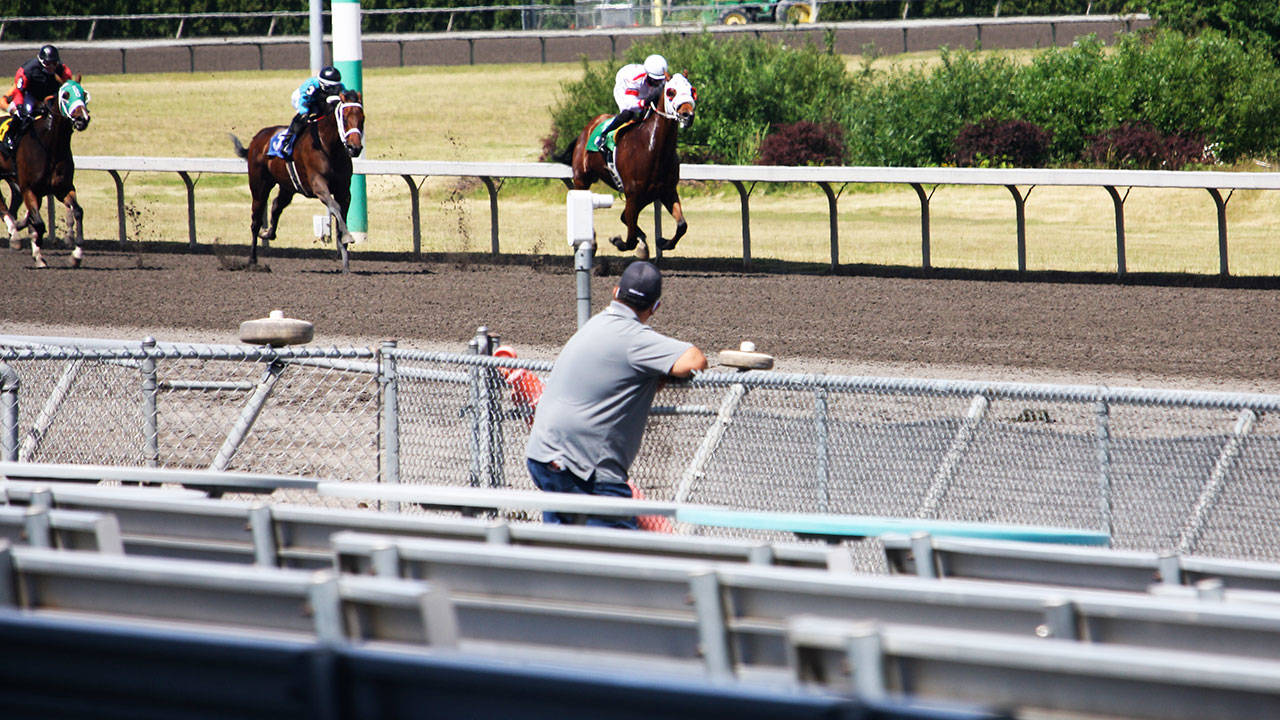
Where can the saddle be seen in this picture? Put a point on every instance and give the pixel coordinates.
(611, 141)
(281, 146)
(10, 134)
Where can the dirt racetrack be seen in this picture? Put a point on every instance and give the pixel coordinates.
(1164, 332)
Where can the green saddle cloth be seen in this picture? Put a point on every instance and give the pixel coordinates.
(594, 137)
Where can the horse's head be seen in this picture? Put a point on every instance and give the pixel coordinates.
(680, 98)
(73, 103)
(349, 112)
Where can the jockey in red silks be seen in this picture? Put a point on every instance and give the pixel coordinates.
(636, 87)
(39, 78)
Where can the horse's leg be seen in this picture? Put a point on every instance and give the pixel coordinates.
(10, 216)
(75, 226)
(32, 202)
(338, 203)
(672, 201)
(636, 238)
(283, 198)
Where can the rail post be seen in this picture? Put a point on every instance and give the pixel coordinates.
(150, 421)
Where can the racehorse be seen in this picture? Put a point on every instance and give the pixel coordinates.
(42, 165)
(322, 167)
(646, 160)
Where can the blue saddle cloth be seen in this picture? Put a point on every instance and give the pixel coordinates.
(277, 146)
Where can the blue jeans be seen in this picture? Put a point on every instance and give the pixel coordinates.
(549, 479)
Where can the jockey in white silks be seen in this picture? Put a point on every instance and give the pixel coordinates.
(636, 87)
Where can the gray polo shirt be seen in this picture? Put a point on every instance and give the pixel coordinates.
(592, 414)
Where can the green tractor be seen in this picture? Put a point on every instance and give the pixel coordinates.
(740, 13)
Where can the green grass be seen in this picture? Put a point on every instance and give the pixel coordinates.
(502, 112)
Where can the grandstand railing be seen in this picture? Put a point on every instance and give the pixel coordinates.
(744, 178)
(1190, 472)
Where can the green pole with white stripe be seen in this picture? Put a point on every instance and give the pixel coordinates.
(348, 57)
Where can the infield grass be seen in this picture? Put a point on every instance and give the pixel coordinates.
(502, 112)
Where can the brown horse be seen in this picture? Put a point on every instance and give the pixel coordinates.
(42, 165)
(647, 163)
(322, 158)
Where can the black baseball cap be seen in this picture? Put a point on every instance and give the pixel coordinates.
(640, 285)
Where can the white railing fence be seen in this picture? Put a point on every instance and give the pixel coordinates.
(744, 178)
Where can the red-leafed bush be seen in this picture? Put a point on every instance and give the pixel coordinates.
(803, 143)
(1001, 143)
(1140, 146)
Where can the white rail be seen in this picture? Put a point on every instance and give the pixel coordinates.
(744, 178)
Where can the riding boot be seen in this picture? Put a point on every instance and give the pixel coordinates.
(296, 125)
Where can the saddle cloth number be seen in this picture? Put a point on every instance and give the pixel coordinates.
(275, 147)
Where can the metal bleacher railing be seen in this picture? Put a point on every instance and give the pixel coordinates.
(1172, 471)
(744, 178)
(582, 598)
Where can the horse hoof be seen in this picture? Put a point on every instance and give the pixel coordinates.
(15, 243)
(642, 251)
(664, 244)
(618, 243)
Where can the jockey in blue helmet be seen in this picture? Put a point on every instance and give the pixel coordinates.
(310, 100)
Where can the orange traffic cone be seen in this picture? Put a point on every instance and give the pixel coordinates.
(526, 386)
(652, 523)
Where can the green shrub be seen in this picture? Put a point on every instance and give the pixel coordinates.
(1253, 22)
(910, 118)
(744, 86)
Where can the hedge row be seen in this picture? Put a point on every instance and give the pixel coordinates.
(1207, 86)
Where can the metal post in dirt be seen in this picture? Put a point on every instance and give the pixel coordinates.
(348, 57)
(389, 466)
(150, 419)
(9, 384)
(581, 232)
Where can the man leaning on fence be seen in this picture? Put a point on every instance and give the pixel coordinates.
(592, 415)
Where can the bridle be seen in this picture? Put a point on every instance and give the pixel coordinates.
(683, 120)
(343, 130)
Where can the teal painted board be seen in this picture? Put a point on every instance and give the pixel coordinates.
(864, 526)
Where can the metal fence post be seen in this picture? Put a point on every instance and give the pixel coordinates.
(1103, 411)
(486, 430)
(150, 419)
(822, 431)
(389, 448)
(9, 384)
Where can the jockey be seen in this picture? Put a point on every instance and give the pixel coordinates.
(635, 89)
(39, 78)
(311, 100)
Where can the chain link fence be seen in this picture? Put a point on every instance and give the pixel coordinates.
(1158, 470)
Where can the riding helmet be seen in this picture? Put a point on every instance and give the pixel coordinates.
(656, 67)
(48, 55)
(329, 76)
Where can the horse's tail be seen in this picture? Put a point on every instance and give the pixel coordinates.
(240, 149)
(566, 155)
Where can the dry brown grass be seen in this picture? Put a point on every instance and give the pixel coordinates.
(501, 113)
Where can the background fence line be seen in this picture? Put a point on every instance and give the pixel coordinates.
(1157, 470)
